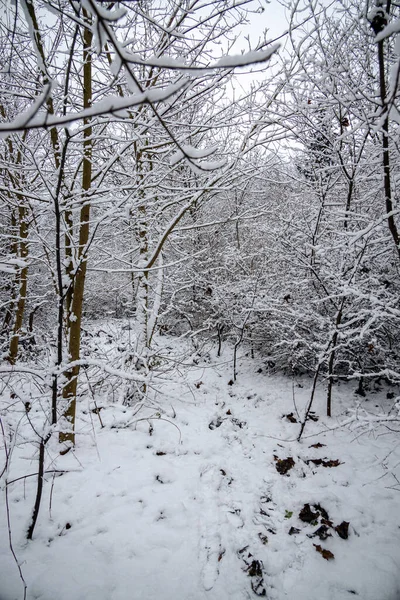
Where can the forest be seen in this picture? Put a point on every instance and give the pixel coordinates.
(199, 300)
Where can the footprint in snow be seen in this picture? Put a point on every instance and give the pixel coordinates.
(213, 552)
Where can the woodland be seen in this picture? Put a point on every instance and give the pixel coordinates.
(183, 203)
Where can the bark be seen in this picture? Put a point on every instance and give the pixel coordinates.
(75, 320)
(39, 487)
(378, 24)
(22, 282)
(331, 361)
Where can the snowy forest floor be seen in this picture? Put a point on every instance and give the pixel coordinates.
(199, 500)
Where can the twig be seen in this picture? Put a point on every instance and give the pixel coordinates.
(35, 474)
(11, 544)
(8, 513)
(294, 401)
(158, 419)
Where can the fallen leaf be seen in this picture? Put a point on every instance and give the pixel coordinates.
(343, 530)
(312, 416)
(322, 532)
(307, 515)
(284, 465)
(290, 417)
(326, 554)
(323, 512)
(317, 445)
(255, 569)
(263, 538)
(325, 463)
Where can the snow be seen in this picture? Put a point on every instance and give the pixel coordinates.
(390, 29)
(175, 500)
(191, 152)
(11, 265)
(228, 61)
(110, 105)
(248, 58)
(104, 13)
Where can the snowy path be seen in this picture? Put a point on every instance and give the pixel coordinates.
(148, 518)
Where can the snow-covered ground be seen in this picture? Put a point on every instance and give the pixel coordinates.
(190, 504)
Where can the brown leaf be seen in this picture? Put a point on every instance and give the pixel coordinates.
(331, 463)
(325, 463)
(307, 515)
(290, 417)
(323, 512)
(322, 532)
(326, 554)
(343, 530)
(255, 569)
(312, 416)
(318, 445)
(284, 465)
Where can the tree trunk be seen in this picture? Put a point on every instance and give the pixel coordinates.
(75, 317)
(378, 24)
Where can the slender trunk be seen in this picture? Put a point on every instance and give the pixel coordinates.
(70, 389)
(310, 402)
(331, 362)
(22, 282)
(220, 329)
(378, 24)
(12, 286)
(59, 159)
(348, 201)
(69, 265)
(39, 487)
(143, 284)
(153, 318)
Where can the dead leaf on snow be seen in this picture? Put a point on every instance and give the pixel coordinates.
(290, 417)
(307, 515)
(326, 554)
(312, 416)
(343, 530)
(323, 512)
(322, 532)
(325, 463)
(284, 465)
